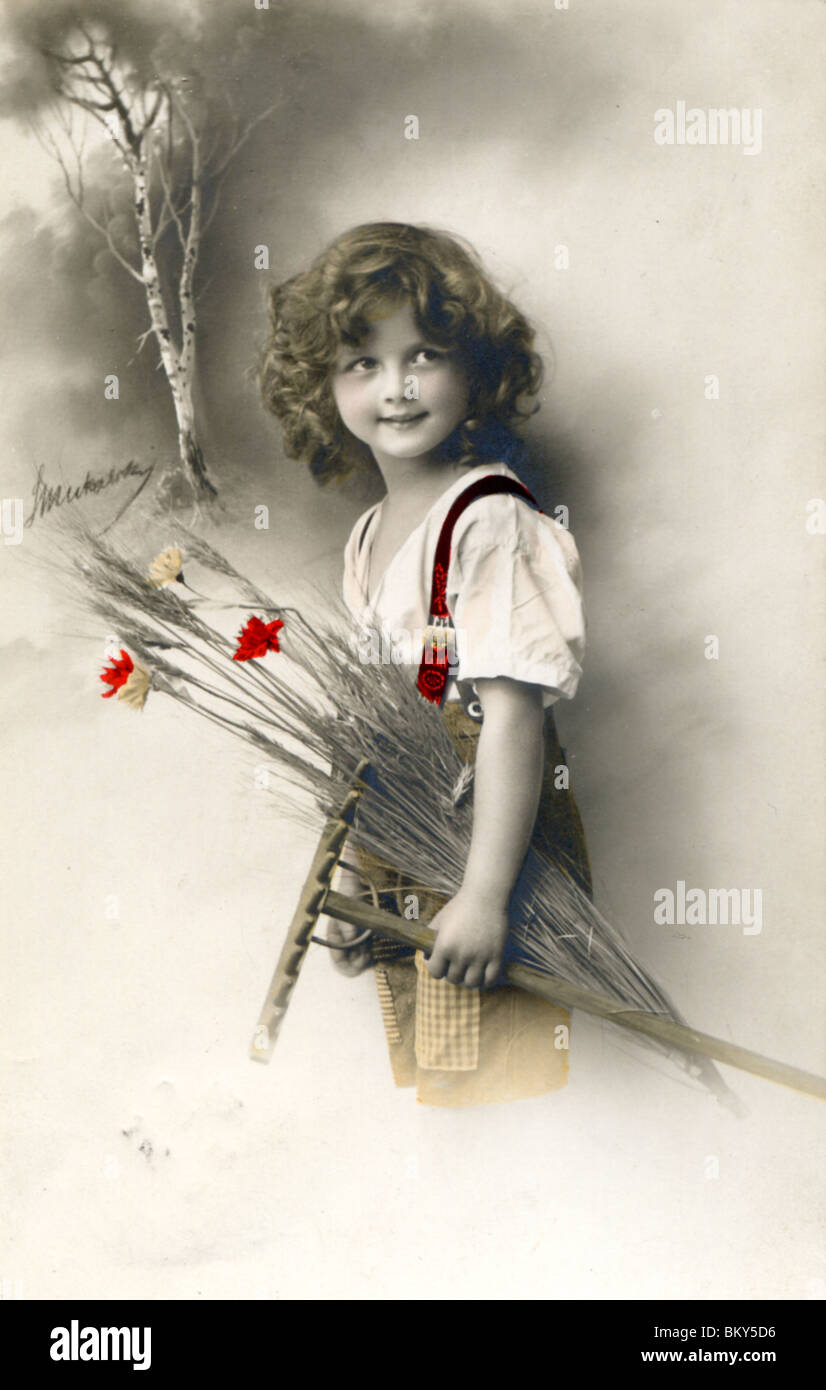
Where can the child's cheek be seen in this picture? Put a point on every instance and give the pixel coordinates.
(345, 394)
(456, 387)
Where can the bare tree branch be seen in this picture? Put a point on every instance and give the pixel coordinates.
(150, 119)
(64, 59)
(202, 289)
(104, 83)
(142, 341)
(244, 137)
(167, 205)
(78, 196)
(216, 198)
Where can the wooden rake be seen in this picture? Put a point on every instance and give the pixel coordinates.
(317, 896)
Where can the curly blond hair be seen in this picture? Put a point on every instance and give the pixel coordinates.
(315, 313)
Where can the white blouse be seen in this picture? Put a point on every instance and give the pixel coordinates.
(514, 591)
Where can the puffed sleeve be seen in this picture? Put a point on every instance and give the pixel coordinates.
(514, 590)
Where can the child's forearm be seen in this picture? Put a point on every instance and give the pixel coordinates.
(507, 785)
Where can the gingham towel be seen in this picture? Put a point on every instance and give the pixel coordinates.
(447, 1023)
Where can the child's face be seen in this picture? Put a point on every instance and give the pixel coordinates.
(378, 381)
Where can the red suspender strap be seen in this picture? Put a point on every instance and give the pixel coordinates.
(435, 666)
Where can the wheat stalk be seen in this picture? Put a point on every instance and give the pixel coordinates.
(317, 713)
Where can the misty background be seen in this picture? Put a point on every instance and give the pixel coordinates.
(535, 133)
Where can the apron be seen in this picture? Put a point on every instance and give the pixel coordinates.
(462, 1046)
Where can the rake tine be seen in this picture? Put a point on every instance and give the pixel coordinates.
(310, 904)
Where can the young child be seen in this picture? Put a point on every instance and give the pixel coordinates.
(396, 346)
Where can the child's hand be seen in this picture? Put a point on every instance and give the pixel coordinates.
(472, 932)
(354, 960)
(350, 961)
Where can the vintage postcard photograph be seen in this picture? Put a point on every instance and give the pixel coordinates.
(411, 547)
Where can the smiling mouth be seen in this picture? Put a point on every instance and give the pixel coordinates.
(402, 419)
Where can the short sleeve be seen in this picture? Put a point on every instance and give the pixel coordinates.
(350, 586)
(515, 594)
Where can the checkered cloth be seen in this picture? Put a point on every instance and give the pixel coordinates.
(447, 1017)
(447, 1023)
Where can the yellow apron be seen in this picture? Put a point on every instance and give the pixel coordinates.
(462, 1046)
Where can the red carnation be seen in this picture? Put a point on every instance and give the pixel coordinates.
(257, 638)
(118, 675)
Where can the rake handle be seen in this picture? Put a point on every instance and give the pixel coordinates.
(560, 992)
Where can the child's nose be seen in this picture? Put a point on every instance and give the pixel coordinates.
(393, 383)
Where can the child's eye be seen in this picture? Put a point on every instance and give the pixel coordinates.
(365, 364)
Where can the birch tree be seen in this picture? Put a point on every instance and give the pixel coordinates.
(175, 137)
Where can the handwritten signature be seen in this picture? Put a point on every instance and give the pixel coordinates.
(47, 495)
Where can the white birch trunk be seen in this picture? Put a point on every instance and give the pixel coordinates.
(190, 448)
(178, 365)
